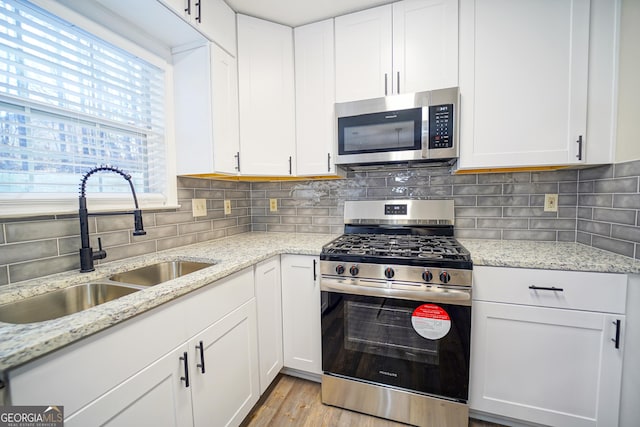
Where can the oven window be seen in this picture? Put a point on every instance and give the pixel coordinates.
(386, 330)
(378, 132)
(374, 339)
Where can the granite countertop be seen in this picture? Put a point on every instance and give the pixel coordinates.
(20, 344)
(548, 255)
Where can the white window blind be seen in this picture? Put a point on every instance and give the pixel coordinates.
(70, 101)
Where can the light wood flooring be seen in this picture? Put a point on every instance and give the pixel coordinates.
(296, 402)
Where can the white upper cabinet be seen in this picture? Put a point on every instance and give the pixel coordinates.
(409, 46)
(425, 45)
(363, 54)
(213, 18)
(267, 100)
(315, 98)
(226, 127)
(206, 111)
(525, 81)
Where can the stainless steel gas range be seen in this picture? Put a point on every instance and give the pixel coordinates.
(396, 313)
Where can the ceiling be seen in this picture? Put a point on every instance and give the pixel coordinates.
(299, 12)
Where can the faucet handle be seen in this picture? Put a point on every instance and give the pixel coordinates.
(100, 253)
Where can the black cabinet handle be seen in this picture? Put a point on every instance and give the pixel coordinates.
(188, 9)
(579, 141)
(616, 340)
(186, 369)
(546, 288)
(315, 273)
(328, 162)
(199, 15)
(398, 82)
(290, 170)
(201, 364)
(385, 84)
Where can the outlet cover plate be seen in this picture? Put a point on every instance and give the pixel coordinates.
(199, 207)
(227, 207)
(551, 203)
(273, 205)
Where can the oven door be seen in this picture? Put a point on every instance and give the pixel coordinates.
(419, 346)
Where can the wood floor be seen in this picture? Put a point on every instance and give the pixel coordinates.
(296, 402)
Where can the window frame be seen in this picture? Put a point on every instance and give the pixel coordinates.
(14, 205)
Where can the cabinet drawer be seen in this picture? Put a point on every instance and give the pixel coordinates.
(605, 292)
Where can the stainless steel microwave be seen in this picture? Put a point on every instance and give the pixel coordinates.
(398, 128)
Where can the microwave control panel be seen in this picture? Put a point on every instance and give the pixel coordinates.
(441, 126)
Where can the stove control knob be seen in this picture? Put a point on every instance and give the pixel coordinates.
(354, 270)
(427, 276)
(340, 269)
(445, 277)
(389, 273)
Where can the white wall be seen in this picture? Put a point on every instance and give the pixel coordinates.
(628, 133)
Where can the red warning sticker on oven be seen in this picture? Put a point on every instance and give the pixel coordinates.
(431, 321)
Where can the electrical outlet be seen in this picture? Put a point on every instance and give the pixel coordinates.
(273, 205)
(551, 203)
(199, 207)
(227, 207)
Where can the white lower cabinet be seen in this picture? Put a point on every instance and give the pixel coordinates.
(136, 373)
(301, 313)
(153, 396)
(269, 302)
(547, 346)
(225, 378)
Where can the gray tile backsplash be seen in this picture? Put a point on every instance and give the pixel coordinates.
(598, 206)
(34, 247)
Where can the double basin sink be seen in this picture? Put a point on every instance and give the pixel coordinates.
(74, 299)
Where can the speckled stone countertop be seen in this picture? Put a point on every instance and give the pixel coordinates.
(20, 344)
(548, 255)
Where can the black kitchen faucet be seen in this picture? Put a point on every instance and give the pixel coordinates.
(86, 252)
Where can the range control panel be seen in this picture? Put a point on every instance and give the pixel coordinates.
(441, 126)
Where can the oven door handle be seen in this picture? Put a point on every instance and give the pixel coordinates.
(440, 294)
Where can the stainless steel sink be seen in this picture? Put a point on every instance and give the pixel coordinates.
(158, 273)
(62, 302)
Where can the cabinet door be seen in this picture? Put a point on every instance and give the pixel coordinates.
(315, 98)
(549, 366)
(156, 396)
(192, 109)
(425, 45)
(523, 81)
(363, 54)
(267, 101)
(269, 303)
(301, 313)
(226, 127)
(226, 386)
(216, 20)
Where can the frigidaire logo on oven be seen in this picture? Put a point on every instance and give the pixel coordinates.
(389, 374)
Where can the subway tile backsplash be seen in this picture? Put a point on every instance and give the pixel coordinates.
(598, 206)
(34, 247)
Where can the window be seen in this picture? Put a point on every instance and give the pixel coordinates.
(70, 101)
